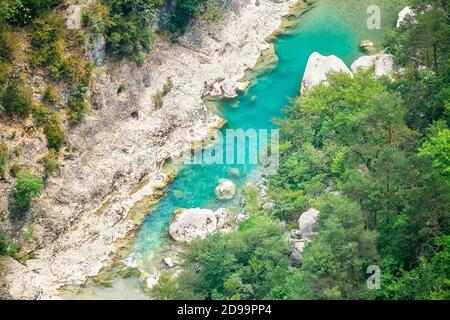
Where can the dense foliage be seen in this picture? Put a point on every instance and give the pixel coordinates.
(383, 147)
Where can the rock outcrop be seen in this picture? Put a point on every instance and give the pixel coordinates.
(318, 67)
(383, 64)
(303, 235)
(306, 223)
(226, 189)
(404, 15)
(190, 224)
(73, 21)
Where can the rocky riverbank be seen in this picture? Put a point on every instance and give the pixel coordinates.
(125, 143)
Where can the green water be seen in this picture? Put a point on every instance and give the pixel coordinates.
(330, 27)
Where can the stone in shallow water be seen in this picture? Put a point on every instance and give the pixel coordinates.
(190, 224)
(234, 172)
(368, 46)
(226, 189)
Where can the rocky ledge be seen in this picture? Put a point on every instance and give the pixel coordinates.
(319, 66)
(127, 139)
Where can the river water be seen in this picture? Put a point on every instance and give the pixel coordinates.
(329, 27)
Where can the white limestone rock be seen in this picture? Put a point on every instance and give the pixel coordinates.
(297, 249)
(318, 67)
(403, 15)
(169, 262)
(152, 281)
(190, 224)
(226, 189)
(382, 63)
(306, 223)
(73, 17)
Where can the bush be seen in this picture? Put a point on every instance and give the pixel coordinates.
(50, 162)
(17, 99)
(160, 94)
(40, 113)
(4, 157)
(76, 70)
(9, 43)
(8, 247)
(50, 96)
(127, 38)
(183, 13)
(14, 170)
(27, 187)
(53, 132)
(22, 12)
(47, 39)
(77, 108)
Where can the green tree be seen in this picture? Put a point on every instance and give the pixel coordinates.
(437, 147)
(26, 187)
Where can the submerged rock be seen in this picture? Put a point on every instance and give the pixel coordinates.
(226, 189)
(234, 172)
(382, 63)
(368, 46)
(317, 69)
(190, 224)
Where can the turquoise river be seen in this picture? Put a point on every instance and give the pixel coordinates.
(328, 27)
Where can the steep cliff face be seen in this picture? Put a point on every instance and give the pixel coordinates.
(127, 137)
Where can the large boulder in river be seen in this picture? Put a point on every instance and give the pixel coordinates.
(226, 189)
(306, 223)
(190, 224)
(404, 15)
(382, 63)
(318, 68)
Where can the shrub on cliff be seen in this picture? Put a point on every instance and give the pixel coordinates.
(22, 12)
(47, 39)
(50, 96)
(50, 162)
(4, 156)
(16, 99)
(54, 133)
(27, 187)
